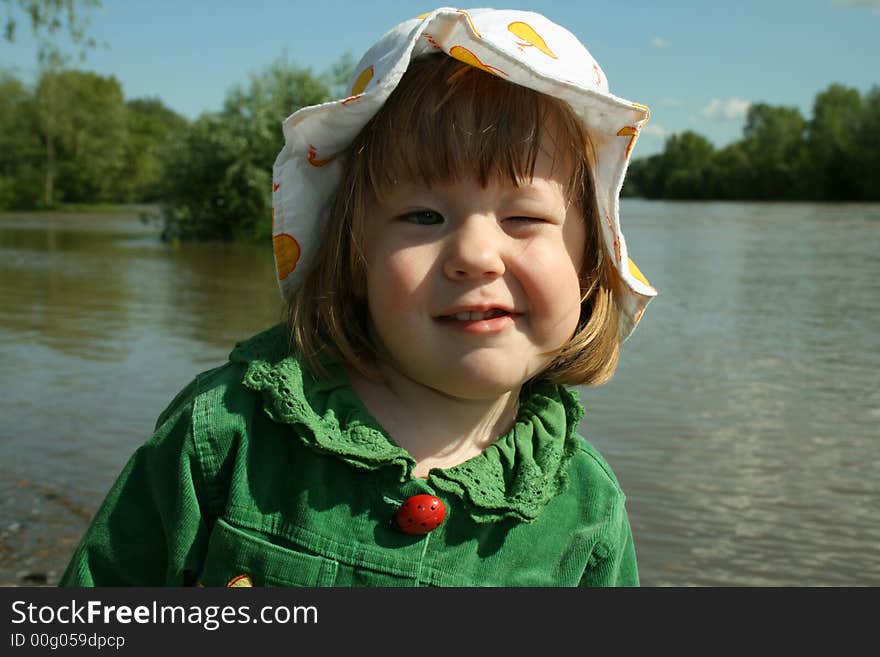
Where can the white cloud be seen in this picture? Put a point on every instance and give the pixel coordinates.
(656, 130)
(659, 42)
(873, 5)
(727, 110)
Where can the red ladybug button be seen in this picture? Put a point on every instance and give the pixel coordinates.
(420, 514)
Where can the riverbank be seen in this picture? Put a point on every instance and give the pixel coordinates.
(140, 219)
(86, 208)
(39, 534)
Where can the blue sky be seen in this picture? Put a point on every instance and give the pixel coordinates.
(698, 65)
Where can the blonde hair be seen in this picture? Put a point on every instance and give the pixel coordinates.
(446, 120)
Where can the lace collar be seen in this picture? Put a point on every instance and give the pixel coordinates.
(515, 477)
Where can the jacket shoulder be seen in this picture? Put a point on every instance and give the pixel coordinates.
(590, 464)
(216, 412)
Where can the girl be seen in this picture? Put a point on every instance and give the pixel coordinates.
(448, 243)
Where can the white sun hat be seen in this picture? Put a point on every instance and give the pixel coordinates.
(523, 47)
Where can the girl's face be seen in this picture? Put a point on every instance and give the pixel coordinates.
(471, 289)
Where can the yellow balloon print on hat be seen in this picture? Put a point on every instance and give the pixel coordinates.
(532, 39)
(463, 54)
(637, 273)
(287, 254)
(632, 132)
(362, 81)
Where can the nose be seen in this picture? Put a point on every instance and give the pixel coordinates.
(475, 250)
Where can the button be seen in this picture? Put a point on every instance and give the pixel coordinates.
(240, 580)
(420, 514)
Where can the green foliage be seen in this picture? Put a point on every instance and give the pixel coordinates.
(83, 115)
(217, 177)
(20, 147)
(47, 19)
(834, 142)
(255, 111)
(684, 166)
(732, 176)
(773, 143)
(867, 160)
(209, 190)
(74, 139)
(150, 127)
(833, 156)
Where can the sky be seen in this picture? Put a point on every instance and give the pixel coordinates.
(697, 65)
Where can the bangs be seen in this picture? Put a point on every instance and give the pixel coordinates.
(448, 121)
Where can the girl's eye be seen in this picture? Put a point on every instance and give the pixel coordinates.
(424, 217)
(526, 220)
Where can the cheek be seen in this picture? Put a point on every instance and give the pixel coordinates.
(551, 283)
(393, 281)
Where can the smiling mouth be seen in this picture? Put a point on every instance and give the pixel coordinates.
(475, 315)
(480, 322)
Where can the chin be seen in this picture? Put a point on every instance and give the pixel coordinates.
(482, 384)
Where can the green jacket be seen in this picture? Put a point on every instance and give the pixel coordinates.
(259, 474)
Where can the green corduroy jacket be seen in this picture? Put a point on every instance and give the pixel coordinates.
(260, 474)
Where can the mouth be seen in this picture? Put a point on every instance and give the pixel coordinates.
(474, 315)
(479, 320)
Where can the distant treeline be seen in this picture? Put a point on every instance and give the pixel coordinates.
(833, 156)
(73, 138)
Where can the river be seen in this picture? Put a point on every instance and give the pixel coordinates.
(743, 421)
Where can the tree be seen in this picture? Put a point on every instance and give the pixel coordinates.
(20, 148)
(643, 177)
(833, 156)
(834, 142)
(688, 159)
(255, 111)
(73, 138)
(47, 18)
(731, 173)
(217, 177)
(773, 142)
(208, 187)
(150, 125)
(682, 170)
(81, 117)
(867, 156)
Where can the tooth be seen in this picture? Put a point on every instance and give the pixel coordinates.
(470, 316)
